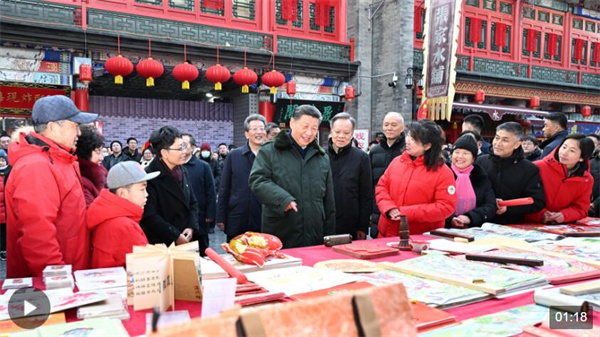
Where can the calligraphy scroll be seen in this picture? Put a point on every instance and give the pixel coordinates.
(441, 41)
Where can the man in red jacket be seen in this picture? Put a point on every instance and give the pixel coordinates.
(44, 199)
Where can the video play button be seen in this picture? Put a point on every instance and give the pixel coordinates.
(29, 308)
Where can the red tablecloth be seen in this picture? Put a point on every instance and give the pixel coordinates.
(311, 255)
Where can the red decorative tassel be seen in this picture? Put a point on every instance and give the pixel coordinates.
(418, 21)
(289, 10)
(214, 4)
(475, 33)
(552, 44)
(597, 53)
(500, 35)
(578, 49)
(531, 40)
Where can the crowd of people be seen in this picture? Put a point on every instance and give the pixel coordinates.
(93, 204)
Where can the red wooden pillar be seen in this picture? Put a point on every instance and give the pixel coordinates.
(267, 110)
(81, 99)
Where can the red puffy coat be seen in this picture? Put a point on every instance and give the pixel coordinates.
(568, 195)
(427, 198)
(45, 208)
(114, 223)
(2, 203)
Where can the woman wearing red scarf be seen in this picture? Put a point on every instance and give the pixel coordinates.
(417, 184)
(567, 182)
(476, 201)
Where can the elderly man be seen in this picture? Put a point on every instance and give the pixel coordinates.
(352, 180)
(272, 130)
(291, 176)
(203, 185)
(238, 209)
(512, 176)
(44, 199)
(555, 131)
(381, 155)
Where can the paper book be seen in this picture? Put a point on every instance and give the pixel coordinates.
(102, 278)
(113, 307)
(426, 317)
(459, 247)
(431, 292)
(505, 323)
(17, 283)
(554, 298)
(57, 270)
(211, 270)
(467, 274)
(556, 269)
(527, 235)
(584, 249)
(158, 275)
(575, 230)
(9, 326)
(59, 301)
(89, 327)
(296, 280)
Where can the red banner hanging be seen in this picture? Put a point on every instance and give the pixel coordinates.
(500, 39)
(475, 31)
(597, 53)
(532, 40)
(213, 4)
(552, 44)
(13, 97)
(289, 10)
(322, 8)
(579, 49)
(418, 22)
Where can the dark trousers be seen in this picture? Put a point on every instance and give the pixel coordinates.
(203, 243)
(2, 236)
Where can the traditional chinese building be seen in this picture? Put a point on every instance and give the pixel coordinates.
(45, 42)
(520, 59)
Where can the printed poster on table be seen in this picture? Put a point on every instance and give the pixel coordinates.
(441, 36)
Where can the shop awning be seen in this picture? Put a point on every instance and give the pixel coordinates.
(497, 111)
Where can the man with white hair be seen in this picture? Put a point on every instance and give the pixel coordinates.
(382, 154)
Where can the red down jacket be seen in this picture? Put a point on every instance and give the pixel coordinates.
(45, 208)
(568, 195)
(114, 223)
(427, 198)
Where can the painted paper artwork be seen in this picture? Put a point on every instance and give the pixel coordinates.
(586, 248)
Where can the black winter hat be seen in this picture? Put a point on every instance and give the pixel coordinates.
(467, 142)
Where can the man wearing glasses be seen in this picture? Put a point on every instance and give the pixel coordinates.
(171, 212)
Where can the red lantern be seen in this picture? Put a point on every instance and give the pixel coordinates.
(218, 74)
(290, 87)
(185, 73)
(150, 69)
(349, 93)
(85, 73)
(480, 96)
(586, 111)
(534, 102)
(118, 66)
(273, 79)
(245, 77)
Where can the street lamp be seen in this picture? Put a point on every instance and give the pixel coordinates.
(413, 78)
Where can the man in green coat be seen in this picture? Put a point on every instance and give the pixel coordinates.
(292, 178)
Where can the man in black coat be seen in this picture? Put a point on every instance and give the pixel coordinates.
(116, 157)
(555, 131)
(131, 152)
(203, 185)
(238, 209)
(512, 175)
(352, 180)
(381, 155)
(171, 212)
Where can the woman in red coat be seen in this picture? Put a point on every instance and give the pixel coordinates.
(417, 184)
(567, 182)
(89, 156)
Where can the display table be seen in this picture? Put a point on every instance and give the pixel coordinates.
(311, 255)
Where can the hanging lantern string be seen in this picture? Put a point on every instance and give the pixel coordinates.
(217, 54)
(244, 59)
(119, 43)
(184, 52)
(273, 61)
(149, 48)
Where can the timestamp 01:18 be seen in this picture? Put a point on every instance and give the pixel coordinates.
(571, 317)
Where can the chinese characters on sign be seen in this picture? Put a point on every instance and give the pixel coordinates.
(284, 110)
(14, 97)
(362, 137)
(440, 48)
